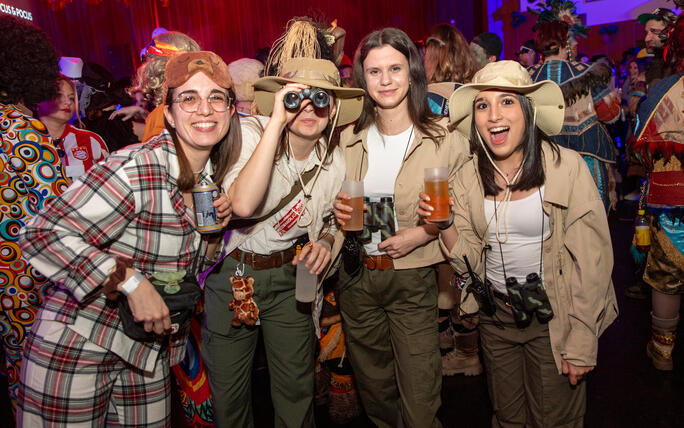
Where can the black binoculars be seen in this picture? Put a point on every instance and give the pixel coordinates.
(529, 299)
(379, 216)
(319, 98)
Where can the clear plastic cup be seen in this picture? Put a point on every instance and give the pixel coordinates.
(355, 190)
(437, 188)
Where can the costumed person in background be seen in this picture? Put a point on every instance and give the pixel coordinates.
(660, 147)
(79, 149)
(150, 76)
(284, 184)
(388, 286)
(486, 48)
(527, 214)
(128, 223)
(103, 95)
(657, 25)
(449, 63)
(527, 55)
(590, 96)
(245, 72)
(32, 177)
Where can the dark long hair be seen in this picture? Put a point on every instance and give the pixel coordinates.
(222, 157)
(533, 162)
(419, 110)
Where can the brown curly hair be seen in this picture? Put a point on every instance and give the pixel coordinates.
(550, 37)
(149, 78)
(448, 55)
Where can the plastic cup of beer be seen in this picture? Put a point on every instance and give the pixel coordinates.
(437, 188)
(355, 190)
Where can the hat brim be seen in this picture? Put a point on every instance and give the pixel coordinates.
(546, 97)
(350, 99)
(645, 17)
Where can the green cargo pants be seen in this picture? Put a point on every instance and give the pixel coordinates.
(228, 352)
(524, 384)
(390, 324)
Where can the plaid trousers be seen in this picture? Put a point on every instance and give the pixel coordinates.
(66, 380)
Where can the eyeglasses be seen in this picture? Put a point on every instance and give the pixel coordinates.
(190, 101)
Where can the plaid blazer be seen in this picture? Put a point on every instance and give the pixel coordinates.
(129, 206)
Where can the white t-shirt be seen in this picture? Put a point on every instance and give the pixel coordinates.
(522, 250)
(385, 155)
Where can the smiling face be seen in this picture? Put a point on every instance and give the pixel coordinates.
(204, 128)
(62, 107)
(654, 28)
(500, 121)
(386, 72)
(310, 122)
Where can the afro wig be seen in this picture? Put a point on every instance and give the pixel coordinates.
(28, 63)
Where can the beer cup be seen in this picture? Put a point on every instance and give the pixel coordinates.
(437, 188)
(355, 190)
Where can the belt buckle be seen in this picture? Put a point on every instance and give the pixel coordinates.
(252, 256)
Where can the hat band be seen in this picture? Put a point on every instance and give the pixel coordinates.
(311, 75)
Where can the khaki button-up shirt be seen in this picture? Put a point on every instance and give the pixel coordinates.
(577, 257)
(448, 149)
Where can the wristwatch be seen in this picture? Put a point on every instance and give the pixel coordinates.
(132, 284)
(444, 225)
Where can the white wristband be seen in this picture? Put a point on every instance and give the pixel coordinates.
(132, 283)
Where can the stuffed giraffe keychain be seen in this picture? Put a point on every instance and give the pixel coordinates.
(243, 304)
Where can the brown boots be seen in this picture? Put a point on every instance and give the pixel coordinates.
(659, 348)
(463, 358)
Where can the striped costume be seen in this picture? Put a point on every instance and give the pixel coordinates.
(593, 102)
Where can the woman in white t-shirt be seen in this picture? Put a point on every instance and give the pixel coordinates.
(529, 222)
(282, 188)
(387, 286)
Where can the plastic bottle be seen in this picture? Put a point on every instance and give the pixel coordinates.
(305, 288)
(643, 233)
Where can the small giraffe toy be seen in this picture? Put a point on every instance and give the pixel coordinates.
(243, 304)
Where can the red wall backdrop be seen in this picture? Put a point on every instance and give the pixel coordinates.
(112, 34)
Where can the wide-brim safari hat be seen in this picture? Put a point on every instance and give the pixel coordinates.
(317, 73)
(546, 96)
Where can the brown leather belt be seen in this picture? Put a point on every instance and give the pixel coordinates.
(382, 262)
(259, 262)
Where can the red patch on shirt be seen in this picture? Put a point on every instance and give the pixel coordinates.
(290, 219)
(80, 153)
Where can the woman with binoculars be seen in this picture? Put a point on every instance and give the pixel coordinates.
(388, 288)
(282, 187)
(529, 219)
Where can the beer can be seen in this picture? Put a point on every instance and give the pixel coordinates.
(206, 214)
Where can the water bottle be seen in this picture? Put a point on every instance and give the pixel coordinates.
(305, 285)
(643, 232)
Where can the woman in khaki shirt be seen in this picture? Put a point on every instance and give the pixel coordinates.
(388, 292)
(530, 221)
